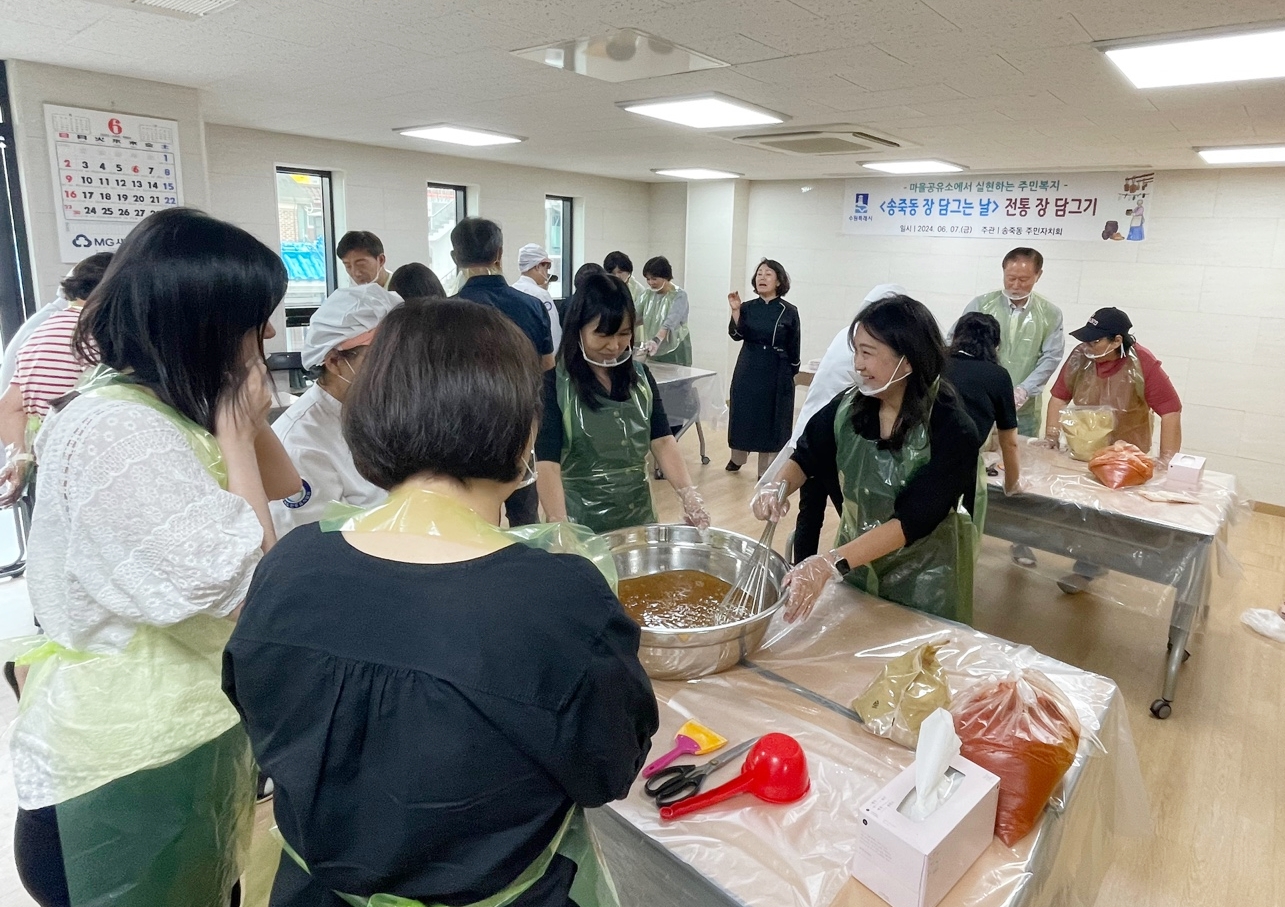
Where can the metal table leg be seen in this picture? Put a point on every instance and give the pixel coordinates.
(700, 433)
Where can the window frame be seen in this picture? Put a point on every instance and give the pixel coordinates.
(447, 278)
(567, 272)
(17, 286)
(300, 316)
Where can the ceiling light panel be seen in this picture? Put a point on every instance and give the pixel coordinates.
(1252, 154)
(460, 135)
(710, 111)
(698, 173)
(1203, 61)
(908, 167)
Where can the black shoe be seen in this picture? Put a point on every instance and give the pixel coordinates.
(732, 467)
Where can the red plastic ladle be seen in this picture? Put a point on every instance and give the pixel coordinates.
(776, 770)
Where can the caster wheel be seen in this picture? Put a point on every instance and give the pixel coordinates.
(1161, 709)
(704, 461)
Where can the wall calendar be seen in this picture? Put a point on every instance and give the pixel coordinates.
(110, 171)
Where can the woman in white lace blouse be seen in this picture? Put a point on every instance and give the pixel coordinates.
(151, 520)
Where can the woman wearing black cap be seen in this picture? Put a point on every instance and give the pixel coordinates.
(1110, 368)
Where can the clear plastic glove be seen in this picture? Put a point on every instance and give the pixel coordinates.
(649, 348)
(694, 512)
(768, 503)
(805, 582)
(13, 477)
(1052, 443)
(1012, 486)
(1020, 396)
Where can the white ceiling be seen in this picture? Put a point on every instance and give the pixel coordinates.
(995, 85)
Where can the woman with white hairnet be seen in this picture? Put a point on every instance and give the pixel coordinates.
(836, 373)
(339, 333)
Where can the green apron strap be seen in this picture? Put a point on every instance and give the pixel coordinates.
(571, 841)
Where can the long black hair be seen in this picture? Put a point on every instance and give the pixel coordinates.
(977, 336)
(175, 305)
(908, 327)
(607, 299)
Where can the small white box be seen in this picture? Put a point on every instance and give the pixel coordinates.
(915, 864)
(1185, 471)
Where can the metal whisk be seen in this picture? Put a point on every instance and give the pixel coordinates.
(745, 598)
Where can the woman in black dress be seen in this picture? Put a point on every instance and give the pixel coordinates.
(762, 394)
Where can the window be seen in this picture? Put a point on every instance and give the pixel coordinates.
(447, 206)
(17, 296)
(306, 223)
(557, 240)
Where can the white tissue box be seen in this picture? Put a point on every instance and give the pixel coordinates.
(1185, 471)
(915, 864)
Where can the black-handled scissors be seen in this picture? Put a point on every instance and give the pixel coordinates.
(678, 782)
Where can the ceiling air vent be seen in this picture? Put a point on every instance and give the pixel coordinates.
(179, 9)
(825, 140)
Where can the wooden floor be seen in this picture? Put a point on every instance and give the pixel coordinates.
(1215, 770)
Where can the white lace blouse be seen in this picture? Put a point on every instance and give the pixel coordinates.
(129, 528)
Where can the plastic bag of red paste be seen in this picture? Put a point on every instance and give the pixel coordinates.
(1122, 465)
(1024, 730)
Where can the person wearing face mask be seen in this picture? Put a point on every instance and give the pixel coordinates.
(436, 703)
(1110, 368)
(535, 264)
(1031, 334)
(762, 389)
(901, 451)
(338, 336)
(602, 416)
(662, 312)
(362, 255)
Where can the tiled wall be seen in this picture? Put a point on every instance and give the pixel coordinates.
(1206, 292)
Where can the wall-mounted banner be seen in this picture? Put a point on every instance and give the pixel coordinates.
(1103, 207)
(110, 171)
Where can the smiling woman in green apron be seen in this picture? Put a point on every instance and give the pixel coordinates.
(902, 452)
(433, 702)
(662, 313)
(151, 521)
(602, 416)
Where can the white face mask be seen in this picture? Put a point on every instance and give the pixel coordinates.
(624, 357)
(529, 471)
(1015, 297)
(1089, 355)
(875, 391)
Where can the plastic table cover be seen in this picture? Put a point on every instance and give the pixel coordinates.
(802, 683)
(690, 394)
(1156, 551)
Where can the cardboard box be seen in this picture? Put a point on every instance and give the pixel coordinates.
(1185, 471)
(915, 864)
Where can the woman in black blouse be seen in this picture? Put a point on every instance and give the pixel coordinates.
(433, 703)
(762, 391)
(901, 450)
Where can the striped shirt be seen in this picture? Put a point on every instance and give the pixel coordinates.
(48, 367)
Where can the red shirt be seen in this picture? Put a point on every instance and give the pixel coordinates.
(48, 367)
(1159, 390)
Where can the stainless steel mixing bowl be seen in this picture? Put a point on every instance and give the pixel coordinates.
(684, 654)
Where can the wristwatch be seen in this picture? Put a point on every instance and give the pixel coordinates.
(840, 563)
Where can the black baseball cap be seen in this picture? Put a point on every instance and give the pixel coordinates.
(1108, 322)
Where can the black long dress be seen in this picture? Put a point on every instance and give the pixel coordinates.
(762, 393)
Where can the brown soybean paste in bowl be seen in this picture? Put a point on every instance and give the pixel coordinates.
(673, 600)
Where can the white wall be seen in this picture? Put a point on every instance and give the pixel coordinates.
(1206, 293)
(32, 85)
(667, 229)
(383, 191)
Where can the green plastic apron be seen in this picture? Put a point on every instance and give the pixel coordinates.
(423, 512)
(653, 309)
(604, 451)
(153, 776)
(933, 574)
(1125, 391)
(1022, 334)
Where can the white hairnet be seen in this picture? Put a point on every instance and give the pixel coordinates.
(347, 315)
(531, 255)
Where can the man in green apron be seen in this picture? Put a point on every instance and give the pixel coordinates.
(1031, 336)
(1031, 343)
